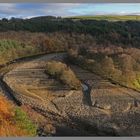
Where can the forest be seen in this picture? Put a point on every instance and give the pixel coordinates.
(104, 31)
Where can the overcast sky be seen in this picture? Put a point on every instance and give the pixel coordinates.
(27, 10)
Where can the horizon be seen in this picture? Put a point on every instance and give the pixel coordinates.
(108, 15)
(29, 10)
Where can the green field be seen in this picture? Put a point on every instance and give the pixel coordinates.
(109, 17)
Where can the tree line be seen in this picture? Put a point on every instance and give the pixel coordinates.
(119, 32)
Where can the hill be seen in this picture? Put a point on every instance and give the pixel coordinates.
(109, 17)
(125, 30)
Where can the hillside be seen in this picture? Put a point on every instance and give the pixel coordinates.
(108, 17)
(121, 32)
(77, 76)
(14, 121)
(114, 110)
(120, 65)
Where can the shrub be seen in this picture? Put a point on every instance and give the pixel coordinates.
(12, 49)
(119, 66)
(63, 73)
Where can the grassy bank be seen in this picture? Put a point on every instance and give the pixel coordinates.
(14, 121)
(12, 49)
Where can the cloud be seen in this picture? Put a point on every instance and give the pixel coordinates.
(27, 10)
(7, 8)
(60, 9)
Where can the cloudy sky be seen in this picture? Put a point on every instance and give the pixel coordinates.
(27, 10)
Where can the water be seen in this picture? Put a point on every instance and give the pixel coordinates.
(86, 89)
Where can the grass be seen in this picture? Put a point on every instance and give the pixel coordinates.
(109, 17)
(24, 122)
(14, 121)
(11, 49)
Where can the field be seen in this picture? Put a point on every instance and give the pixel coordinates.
(108, 17)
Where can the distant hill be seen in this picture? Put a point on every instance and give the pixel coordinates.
(124, 30)
(109, 17)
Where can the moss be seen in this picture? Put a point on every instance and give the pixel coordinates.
(24, 122)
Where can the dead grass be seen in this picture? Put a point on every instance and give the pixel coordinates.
(47, 95)
(22, 89)
(8, 124)
(8, 68)
(43, 122)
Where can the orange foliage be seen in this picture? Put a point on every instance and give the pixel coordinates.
(5, 108)
(8, 126)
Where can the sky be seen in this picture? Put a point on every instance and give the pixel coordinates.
(28, 10)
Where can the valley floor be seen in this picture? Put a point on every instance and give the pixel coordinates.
(115, 110)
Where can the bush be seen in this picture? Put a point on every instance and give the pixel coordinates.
(12, 49)
(119, 66)
(63, 73)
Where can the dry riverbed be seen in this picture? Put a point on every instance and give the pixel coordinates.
(116, 110)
